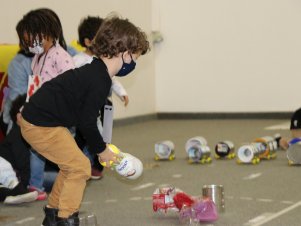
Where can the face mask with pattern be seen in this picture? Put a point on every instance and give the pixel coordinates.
(37, 47)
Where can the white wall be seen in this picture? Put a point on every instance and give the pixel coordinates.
(217, 56)
(140, 84)
(228, 56)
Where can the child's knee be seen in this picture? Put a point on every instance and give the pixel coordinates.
(80, 169)
(86, 167)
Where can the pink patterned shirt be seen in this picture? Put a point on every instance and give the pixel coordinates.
(56, 62)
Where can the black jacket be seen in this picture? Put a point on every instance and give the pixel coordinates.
(73, 98)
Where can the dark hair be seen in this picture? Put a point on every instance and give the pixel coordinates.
(40, 22)
(25, 53)
(118, 35)
(15, 107)
(296, 120)
(88, 28)
(61, 37)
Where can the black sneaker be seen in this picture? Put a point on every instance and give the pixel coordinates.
(50, 216)
(72, 220)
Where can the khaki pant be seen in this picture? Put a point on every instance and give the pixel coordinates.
(58, 145)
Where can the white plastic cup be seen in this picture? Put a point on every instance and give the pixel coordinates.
(195, 141)
(164, 148)
(247, 153)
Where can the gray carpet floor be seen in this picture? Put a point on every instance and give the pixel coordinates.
(263, 194)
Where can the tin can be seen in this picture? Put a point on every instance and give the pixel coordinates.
(270, 147)
(198, 152)
(224, 148)
(293, 152)
(216, 194)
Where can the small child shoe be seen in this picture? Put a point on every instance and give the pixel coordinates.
(42, 195)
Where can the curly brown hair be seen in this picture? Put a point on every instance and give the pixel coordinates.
(117, 35)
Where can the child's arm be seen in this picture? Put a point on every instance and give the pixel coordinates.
(94, 98)
(283, 142)
(120, 91)
(18, 77)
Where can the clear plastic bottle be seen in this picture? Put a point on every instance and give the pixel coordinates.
(88, 220)
(129, 166)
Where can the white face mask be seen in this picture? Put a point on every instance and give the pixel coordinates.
(37, 47)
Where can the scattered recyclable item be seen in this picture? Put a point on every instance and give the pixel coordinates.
(114, 149)
(190, 209)
(195, 209)
(197, 150)
(270, 147)
(250, 153)
(88, 220)
(293, 152)
(163, 199)
(165, 150)
(129, 166)
(261, 148)
(224, 150)
(182, 199)
(215, 193)
(202, 210)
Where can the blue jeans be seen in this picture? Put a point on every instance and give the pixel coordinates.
(88, 155)
(37, 168)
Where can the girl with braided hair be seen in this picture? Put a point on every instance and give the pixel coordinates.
(40, 32)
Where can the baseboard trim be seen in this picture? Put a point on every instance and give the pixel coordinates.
(134, 119)
(238, 115)
(205, 116)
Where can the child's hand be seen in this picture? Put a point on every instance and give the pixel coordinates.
(283, 143)
(125, 99)
(19, 118)
(108, 157)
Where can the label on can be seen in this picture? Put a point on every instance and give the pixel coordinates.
(224, 148)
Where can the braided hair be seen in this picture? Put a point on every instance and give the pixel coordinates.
(61, 37)
(39, 24)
